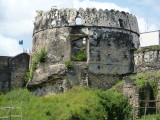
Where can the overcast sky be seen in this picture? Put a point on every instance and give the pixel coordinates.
(17, 16)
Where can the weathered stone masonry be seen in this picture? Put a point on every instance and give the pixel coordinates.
(110, 37)
(12, 71)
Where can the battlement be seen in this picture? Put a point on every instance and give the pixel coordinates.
(88, 17)
(98, 44)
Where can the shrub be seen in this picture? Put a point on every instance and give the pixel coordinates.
(69, 64)
(38, 57)
(27, 77)
(80, 56)
(41, 56)
(115, 105)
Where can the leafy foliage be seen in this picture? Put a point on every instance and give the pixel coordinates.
(147, 84)
(150, 117)
(39, 57)
(69, 64)
(79, 103)
(80, 56)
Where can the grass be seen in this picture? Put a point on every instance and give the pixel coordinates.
(146, 79)
(149, 48)
(150, 117)
(79, 103)
(80, 56)
(118, 87)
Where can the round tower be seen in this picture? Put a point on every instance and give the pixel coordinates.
(98, 43)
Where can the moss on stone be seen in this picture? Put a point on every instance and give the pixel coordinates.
(148, 48)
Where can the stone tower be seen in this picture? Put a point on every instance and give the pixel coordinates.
(107, 37)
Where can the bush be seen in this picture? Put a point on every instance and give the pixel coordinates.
(38, 57)
(27, 77)
(69, 64)
(80, 56)
(41, 56)
(115, 105)
(78, 103)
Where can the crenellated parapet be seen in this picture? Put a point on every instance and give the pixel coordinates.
(88, 17)
(98, 44)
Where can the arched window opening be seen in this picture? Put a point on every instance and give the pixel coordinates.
(78, 21)
(121, 23)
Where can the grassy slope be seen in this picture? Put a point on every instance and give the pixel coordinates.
(79, 103)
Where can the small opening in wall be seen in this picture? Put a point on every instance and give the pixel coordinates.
(98, 67)
(109, 44)
(125, 56)
(78, 52)
(78, 21)
(84, 41)
(121, 23)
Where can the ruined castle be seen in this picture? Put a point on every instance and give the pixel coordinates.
(108, 39)
(88, 47)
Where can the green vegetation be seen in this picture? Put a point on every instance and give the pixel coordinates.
(147, 84)
(134, 49)
(39, 12)
(27, 77)
(149, 48)
(79, 103)
(150, 79)
(69, 64)
(151, 117)
(118, 87)
(80, 56)
(39, 57)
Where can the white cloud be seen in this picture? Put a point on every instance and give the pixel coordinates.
(9, 46)
(17, 18)
(98, 5)
(145, 25)
(19, 14)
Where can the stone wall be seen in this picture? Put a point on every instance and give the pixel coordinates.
(111, 37)
(5, 82)
(89, 17)
(12, 71)
(131, 91)
(147, 61)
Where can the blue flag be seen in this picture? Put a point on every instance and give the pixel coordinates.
(20, 42)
